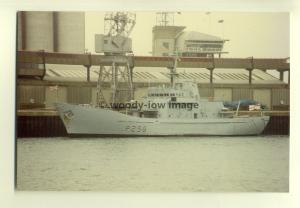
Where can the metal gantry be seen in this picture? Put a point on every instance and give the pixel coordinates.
(116, 65)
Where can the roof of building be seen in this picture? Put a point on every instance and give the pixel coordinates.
(168, 27)
(161, 75)
(194, 35)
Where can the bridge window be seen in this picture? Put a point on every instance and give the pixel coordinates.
(166, 45)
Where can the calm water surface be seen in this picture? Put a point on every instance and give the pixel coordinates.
(204, 164)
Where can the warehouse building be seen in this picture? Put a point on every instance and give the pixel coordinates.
(69, 85)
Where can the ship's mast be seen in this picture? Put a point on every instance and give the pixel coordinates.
(173, 69)
(167, 19)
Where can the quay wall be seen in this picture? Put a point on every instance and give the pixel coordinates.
(52, 126)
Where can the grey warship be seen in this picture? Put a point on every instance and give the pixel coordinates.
(174, 110)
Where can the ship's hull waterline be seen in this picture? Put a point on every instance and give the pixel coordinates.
(82, 120)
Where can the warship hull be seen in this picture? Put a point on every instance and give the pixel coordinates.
(83, 120)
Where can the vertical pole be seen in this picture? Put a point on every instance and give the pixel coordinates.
(289, 77)
(211, 69)
(281, 76)
(44, 64)
(88, 66)
(211, 75)
(172, 78)
(250, 76)
(23, 30)
(114, 82)
(55, 31)
(98, 86)
(88, 73)
(250, 69)
(238, 108)
(130, 82)
(211, 82)
(131, 74)
(130, 66)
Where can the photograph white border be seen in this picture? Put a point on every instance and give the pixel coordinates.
(11, 198)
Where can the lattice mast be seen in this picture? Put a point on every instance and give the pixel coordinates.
(165, 18)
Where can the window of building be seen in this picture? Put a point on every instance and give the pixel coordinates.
(166, 45)
(165, 54)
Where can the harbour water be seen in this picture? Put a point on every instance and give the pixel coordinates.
(158, 164)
